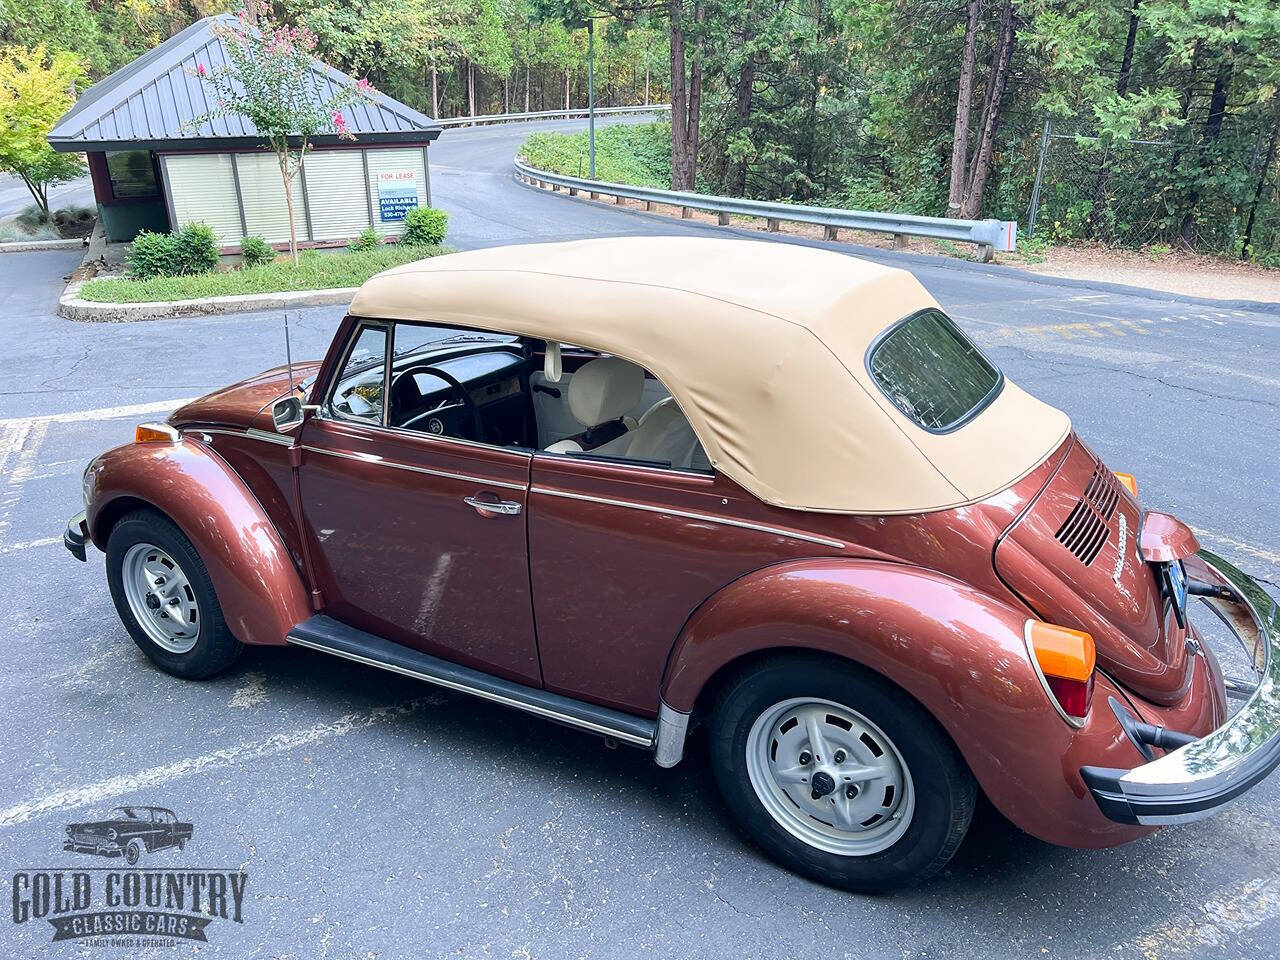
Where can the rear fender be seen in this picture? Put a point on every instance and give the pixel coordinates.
(959, 652)
(261, 592)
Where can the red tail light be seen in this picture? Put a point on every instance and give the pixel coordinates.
(1065, 660)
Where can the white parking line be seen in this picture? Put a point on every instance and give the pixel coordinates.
(1216, 922)
(1270, 556)
(92, 793)
(102, 413)
(28, 544)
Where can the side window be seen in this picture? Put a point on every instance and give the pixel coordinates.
(358, 393)
(610, 408)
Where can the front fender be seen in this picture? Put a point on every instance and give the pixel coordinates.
(958, 651)
(261, 593)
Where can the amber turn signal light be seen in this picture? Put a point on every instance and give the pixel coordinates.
(155, 433)
(1066, 659)
(1127, 481)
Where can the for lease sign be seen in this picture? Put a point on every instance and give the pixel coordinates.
(397, 194)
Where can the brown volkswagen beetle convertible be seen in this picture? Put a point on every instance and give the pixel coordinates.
(633, 485)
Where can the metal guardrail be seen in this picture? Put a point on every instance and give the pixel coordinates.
(488, 118)
(988, 235)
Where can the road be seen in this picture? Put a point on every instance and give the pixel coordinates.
(15, 197)
(380, 818)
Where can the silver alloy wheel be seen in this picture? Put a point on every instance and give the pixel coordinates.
(160, 597)
(830, 777)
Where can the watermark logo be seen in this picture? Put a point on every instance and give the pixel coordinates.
(129, 905)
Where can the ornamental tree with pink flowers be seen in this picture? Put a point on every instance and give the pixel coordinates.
(268, 80)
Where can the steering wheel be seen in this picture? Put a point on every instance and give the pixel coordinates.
(477, 424)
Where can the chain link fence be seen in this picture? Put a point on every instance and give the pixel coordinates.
(1212, 197)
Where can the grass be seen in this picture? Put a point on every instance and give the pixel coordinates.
(636, 154)
(315, 271)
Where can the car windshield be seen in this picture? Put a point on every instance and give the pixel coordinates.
(128, 813)
(932, 372)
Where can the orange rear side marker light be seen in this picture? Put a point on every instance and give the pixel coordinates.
(1128, 482)
(1062, 652)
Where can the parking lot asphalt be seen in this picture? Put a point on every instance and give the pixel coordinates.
(377, 817)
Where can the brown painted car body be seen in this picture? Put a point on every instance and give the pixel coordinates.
(631, 586)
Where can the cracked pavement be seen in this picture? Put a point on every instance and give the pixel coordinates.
(377, 817)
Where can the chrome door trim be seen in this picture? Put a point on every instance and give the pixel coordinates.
(537, 709)
(375, 459)
(708, 518)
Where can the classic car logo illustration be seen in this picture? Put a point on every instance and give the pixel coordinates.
(128, 905)
(129, 832)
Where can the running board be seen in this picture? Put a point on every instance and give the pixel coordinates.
(329, 636)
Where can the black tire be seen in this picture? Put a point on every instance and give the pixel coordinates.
(945, 791)
(215, 648)
(133, 852)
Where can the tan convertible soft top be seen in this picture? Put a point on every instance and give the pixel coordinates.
(763, 346)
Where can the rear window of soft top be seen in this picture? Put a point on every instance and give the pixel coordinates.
(932, 372)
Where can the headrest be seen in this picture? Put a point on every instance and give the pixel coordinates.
(604, 389)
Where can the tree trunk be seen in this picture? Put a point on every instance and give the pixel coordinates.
(686, 100)
(471, 88)
(435, 92)
(1257, 194)
(566, 89)
(1212, 130)
(1102, 186)
(646, 80)
(964, 103)
(288, 204)
(742, 104)
(981, 166)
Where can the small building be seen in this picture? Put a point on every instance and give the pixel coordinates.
(153, 170)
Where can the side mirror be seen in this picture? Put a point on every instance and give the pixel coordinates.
(287, 414)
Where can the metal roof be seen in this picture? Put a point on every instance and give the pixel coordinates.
(148, 104)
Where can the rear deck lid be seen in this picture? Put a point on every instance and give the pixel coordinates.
(1073, 557)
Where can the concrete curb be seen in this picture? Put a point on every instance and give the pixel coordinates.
(72, 307)
(893, 257)
(30, 246)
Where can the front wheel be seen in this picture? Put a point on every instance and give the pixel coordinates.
(133, 852)
(838, 774)
(165, 598)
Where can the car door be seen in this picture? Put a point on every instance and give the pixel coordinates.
(416, 538)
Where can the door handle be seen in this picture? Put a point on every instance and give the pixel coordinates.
(494, 508)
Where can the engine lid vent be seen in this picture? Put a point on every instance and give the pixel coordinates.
(1089, 523)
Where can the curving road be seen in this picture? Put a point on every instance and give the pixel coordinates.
(372, 813)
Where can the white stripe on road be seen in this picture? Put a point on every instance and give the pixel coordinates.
(1215, 923)
(102, 413)
(1270, 556)
(28, 544)
(92, 793)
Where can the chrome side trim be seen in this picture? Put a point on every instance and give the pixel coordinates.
(673, 726)
(708, 518)
(253, 433)
(536, 709)
(374, 458)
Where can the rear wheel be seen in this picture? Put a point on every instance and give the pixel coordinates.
(165, 599)
(838, 774)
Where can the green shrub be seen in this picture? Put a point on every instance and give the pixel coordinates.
(71, 214)
(255, 252)
(197, 249)
(424, 226)
(193, 249)
(11, 231)
(33, 216)
(368, 240)
(638, 154)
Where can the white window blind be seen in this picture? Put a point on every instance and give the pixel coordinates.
(336, 194)
(399, 165)
(262, 190)
(202, 188)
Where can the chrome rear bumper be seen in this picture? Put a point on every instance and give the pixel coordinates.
(1194, 781)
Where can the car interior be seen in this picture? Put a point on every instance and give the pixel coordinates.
(514, 392)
